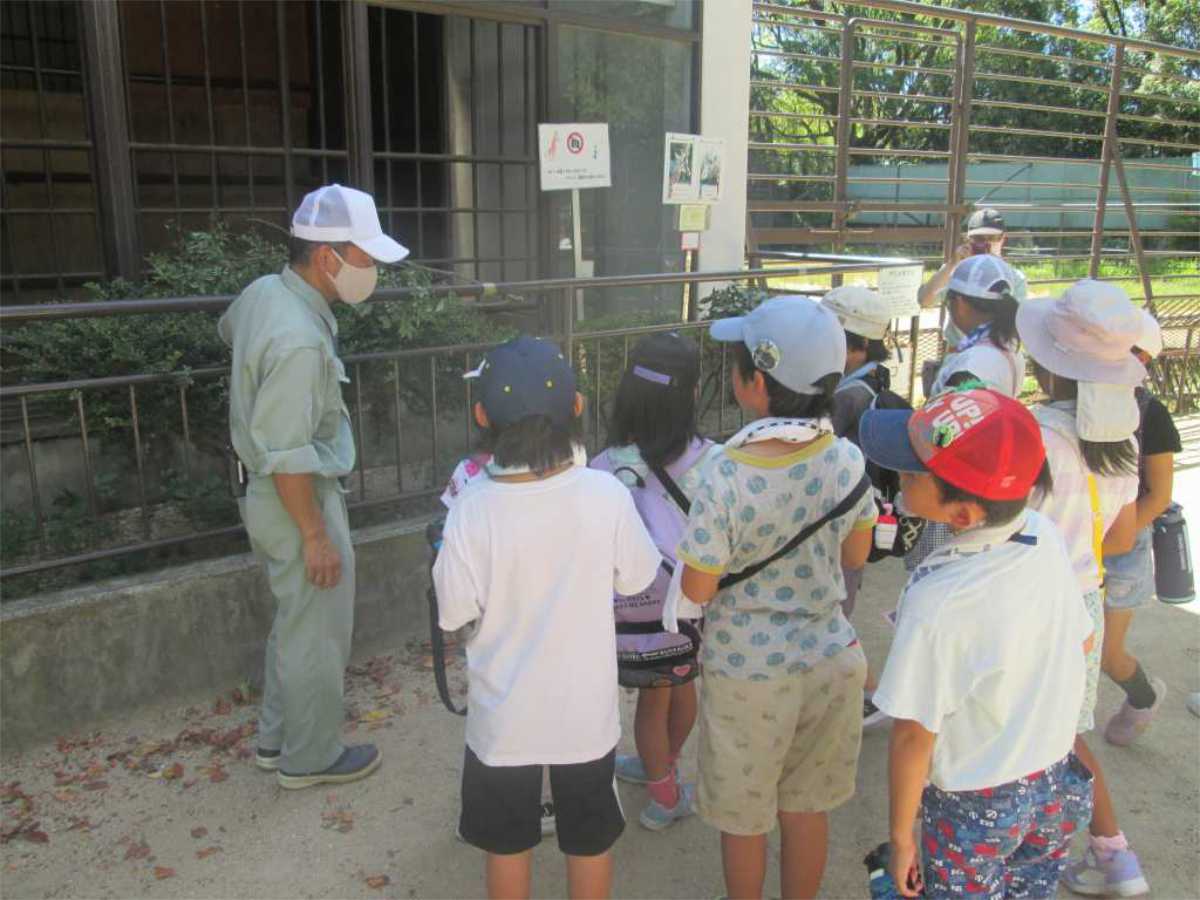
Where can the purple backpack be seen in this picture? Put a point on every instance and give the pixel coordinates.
(648, 656)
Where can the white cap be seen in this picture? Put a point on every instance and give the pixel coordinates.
(1151, 339)
(983, 277)
(860, 310)
(794, 339)
(334, 214)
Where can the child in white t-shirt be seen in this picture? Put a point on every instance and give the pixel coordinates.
(1081, 344)
(986, 672)
(781, 699)
(533, 554)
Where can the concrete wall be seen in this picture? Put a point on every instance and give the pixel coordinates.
(725, 113)
(69, 659)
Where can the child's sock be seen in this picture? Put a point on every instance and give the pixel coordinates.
(1104, 847)
(665, 791)
(1137, 688)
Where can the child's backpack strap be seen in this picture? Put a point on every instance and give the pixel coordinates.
(676, 492)
(847, 504)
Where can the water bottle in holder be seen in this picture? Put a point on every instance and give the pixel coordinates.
(1173, 577)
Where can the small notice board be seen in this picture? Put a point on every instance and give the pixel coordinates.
(573, 156)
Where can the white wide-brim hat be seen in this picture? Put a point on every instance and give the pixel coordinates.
(1151, 340)
(1087, 334)
(861, 310)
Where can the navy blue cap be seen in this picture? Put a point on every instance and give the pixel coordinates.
(883, 439)
(526, 376)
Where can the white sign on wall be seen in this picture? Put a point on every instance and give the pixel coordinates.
(692, 168)
(574, 155)
(899, 286)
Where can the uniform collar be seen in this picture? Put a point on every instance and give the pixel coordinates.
(861, 372)
(311, 296)
(982, 538)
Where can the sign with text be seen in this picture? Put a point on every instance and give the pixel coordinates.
(572, 156)
(899, 285)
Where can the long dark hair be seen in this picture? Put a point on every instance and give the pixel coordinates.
(1101, 457)
(1002, 314)
(783, 401)
(655, 407)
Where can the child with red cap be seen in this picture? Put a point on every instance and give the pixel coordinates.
(986, 672)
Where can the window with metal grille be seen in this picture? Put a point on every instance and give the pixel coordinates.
(236, 109)
(49, 237)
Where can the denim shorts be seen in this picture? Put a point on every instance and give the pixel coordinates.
(1129, 578)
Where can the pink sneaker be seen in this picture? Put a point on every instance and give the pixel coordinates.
(1128, 723)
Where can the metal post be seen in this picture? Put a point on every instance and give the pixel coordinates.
(104, 74)
(956, 168)
(1135, 234)
(842, 162)
(356, 66)
(1107, 151)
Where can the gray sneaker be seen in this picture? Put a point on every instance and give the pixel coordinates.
(355, 763)
(267, 760)
(1127, 724)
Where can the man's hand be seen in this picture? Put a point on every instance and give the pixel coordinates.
(322, 562)
(904, 865)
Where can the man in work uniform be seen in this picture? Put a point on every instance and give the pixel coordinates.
(292, 434)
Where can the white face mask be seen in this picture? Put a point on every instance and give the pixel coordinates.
(951, 333)
(354, 284)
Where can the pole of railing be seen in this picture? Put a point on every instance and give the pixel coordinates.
(33, 479)
(399, 430)
(360, 450)
(842, 162)
(141, 463)
(1135, 234)
(93, 505)
(914, 337)
(1107, 152)
(433, 418)
(187, 431)
(960, 137)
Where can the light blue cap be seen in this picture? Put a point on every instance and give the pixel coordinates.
(794, 339)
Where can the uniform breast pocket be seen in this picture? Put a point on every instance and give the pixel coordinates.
(335, 385)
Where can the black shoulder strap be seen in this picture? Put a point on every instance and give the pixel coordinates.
(864, 485)
(673, 489)
(437, 640)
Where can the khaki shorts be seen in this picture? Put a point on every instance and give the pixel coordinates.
(785, 745)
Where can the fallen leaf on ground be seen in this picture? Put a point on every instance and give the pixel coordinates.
(81, 825)
(216, 773)
(378, 881)
(222, 707)
(35, 836)
(377, 715)
(173, 771)
(163, 872)
(95, 785)
(139, 850)
(207, 852)
(199, 831)
(340, 819)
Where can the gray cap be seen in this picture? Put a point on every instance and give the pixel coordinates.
(794, 339)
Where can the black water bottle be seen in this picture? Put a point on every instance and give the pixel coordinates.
(1173, 578)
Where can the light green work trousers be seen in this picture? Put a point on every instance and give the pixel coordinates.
(309, 646)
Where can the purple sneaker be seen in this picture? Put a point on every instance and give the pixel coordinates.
(1128, 723)
(1120, 875)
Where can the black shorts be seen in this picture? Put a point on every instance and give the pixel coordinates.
(502, 813)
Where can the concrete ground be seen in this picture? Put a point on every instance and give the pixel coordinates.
(167, 802)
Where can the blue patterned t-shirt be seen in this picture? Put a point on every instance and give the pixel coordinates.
(789, 615)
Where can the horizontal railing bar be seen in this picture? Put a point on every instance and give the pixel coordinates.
(766, 113)
(1146, 142)
(898, 123)
(1155, 120)
(1128, 163)
(803, 57)
(44, 312)
(790, 86)
(799, 11)
(1029, 54)
(1036, 107)
(1004, 129)
(900, 67)
(233, 149)
(1042, 82)
(7, 143)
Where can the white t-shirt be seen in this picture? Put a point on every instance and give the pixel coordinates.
(537, 564)
(1069, 503)
(1001, 370)
(988, 654)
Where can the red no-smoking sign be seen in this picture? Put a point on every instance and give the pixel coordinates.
(575, 142)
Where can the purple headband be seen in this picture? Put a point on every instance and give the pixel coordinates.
(650, 375)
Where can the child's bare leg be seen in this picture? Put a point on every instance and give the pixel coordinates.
(589, 876)
(804, 846)
(681, 718)
(1114, 658)
(650, 731)
(509, 875)
(744, 858)
(1104, 814)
